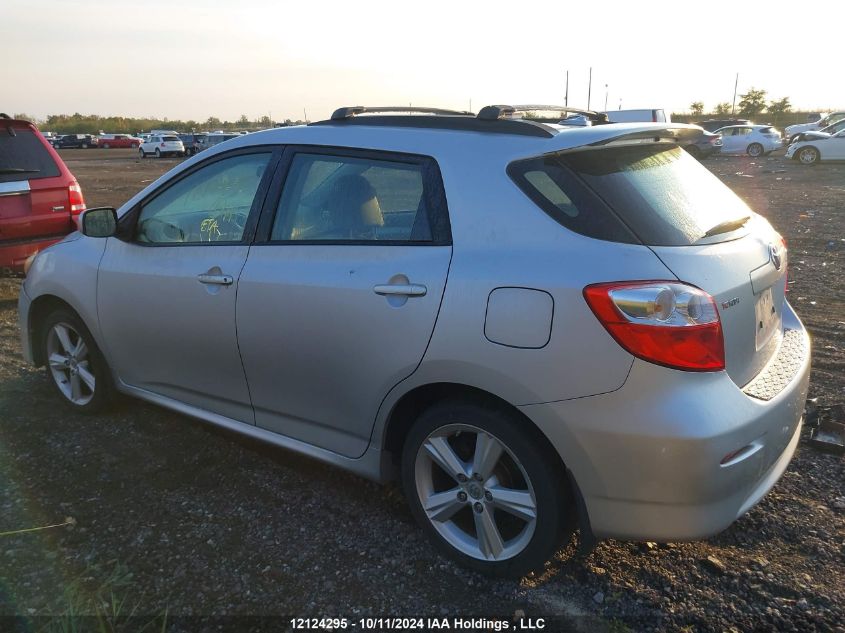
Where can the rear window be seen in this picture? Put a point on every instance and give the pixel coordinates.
(656, 195)
(24, 157)
(170, 138)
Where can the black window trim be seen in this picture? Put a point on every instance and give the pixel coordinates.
(433, 191)
(127, 223)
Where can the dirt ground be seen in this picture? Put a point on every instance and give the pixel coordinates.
(167, 518)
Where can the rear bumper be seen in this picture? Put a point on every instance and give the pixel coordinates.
(14, 254)
(647, 457)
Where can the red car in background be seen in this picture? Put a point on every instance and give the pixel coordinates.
(107, 141)
(40, 199)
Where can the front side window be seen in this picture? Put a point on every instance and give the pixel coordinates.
(350, 199)
(210, 205)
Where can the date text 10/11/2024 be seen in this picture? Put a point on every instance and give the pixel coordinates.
(419, 624)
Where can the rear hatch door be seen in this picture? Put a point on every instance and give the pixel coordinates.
(33, 187)
(704, 234)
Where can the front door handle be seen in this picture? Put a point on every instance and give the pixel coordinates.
(218, 280)
(403, 290)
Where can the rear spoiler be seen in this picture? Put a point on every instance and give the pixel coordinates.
(630, 134)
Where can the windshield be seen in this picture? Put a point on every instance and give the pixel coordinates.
(658, 193)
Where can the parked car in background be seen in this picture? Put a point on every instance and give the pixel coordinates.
(74, 141)
(384, 303)
(829, 119)
(39, 197)
(215, 138)
(813, 150)
(192, 142)
(162, 145)
(754, 140)
(657, 115)
(830, 130)
(707, 144)
(711, 125)
(107, 141)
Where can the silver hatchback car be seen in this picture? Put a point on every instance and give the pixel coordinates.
(536, 327)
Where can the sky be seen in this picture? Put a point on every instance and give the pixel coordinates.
(192, 59)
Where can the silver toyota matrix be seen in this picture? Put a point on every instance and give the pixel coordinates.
(537, 328)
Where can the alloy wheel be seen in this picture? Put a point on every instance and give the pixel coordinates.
(69, 360)
(475, 492)
(808, 155)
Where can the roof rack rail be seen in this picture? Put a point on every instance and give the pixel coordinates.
(349, 112)
(496, 112)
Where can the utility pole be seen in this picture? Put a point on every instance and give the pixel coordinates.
(589, 87)
(305, 114)
(736, 83)
(566, 96)
(605, 97)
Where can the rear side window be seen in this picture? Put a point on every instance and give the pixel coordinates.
(170, 138)
(24, 157)
(656, 195)
(330, 198)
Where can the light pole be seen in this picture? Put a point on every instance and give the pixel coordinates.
(605, 97)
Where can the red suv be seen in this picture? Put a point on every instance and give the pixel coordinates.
(39, 197)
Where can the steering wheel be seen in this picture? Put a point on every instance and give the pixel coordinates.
(158, 231)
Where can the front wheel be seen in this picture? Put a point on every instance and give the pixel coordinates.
(106, 146)
(74, 364)
(754, 150)
(488, 495)
(808, 155)
(142, 153)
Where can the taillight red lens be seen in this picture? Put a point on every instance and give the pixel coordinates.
(663, 322)
(75, 199)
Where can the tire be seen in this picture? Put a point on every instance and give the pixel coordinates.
(693, 151)
(141, 151)
(158, 153)
(134, 145)
(85, 146)
(755, 150)
(106, 146)
(528, 472)
(79, 373)
(808, 155)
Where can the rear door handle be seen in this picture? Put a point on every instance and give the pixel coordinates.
(404, 290)
(218, 280)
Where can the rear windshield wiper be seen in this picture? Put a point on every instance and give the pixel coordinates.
(729, 225)
(18, 170)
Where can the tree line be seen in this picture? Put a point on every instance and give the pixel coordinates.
(94, 124)
(750, 105)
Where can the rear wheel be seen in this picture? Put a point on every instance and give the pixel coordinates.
(754, 150)
(134, 145)
(85, 146)
(158, 153)
(487, 495)
(106, 146)
(808, 155)
(74, 364)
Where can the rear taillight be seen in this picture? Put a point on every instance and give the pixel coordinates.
(75, 199)
(162, 143)
(664, 322)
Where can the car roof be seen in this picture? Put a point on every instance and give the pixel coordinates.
(438, 138)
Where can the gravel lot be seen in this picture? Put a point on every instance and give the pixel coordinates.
(171, 516)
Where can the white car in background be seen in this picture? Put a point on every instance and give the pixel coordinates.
(162, 145)
(830, 118)
(813, 150)
(754, 140)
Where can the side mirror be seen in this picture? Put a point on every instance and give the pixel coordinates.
(99, 222)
